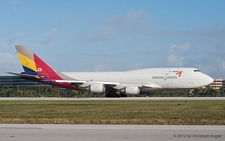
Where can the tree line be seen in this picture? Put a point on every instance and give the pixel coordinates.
(52, 91)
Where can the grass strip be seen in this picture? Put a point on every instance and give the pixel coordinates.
(157, 112)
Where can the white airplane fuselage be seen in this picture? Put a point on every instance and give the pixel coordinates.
(165, 78)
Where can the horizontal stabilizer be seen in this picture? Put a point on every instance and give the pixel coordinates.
(24, 75)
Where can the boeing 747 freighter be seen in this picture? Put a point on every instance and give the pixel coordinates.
(118, 83)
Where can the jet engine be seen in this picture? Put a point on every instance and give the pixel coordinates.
(132, 90)
(96, 88)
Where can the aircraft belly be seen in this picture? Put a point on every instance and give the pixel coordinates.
(172, 85)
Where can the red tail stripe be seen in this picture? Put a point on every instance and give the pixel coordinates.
(44, 69)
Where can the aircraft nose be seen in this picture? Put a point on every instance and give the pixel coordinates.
(210, 80)
(207, 80)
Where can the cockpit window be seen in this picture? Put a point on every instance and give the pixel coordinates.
(196, 70)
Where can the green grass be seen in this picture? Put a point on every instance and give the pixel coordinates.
(114, 112)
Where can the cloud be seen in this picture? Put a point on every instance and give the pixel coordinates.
(214, 31)
(52, 33)
(175, 57)
(94, 38)
(213, 62)
(206, 68)
(219, 49)
(9, 63)
(179, 48)
(222, 64)
(102, 67)
(15, 38)
(14, 2)
(136, 66)
(108, 31)
(218, 58)
(132, 22)
(175, 60)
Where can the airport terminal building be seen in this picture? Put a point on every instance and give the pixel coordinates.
(218, 83)
(14, 81)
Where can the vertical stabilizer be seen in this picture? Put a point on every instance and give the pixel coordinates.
(27, 59)
(34, 65)
(35, 69)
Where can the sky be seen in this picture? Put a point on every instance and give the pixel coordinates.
(115, 35)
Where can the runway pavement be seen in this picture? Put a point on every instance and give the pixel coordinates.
(54, 132)
(123, 98)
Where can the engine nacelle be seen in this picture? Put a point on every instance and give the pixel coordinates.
(132, 90)
(96, 88)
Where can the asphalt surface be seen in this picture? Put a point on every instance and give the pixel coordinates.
(126, 98)
(52, 132)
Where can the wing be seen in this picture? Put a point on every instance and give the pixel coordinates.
(117, 86)
(81, 83)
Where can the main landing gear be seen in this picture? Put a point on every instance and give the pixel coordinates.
(114, 93)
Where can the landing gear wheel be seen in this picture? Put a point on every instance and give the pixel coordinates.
(112, 95)
(123, 95)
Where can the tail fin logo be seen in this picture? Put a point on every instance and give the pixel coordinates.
(39, 69)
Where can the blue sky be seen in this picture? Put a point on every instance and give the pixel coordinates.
(111, 35)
